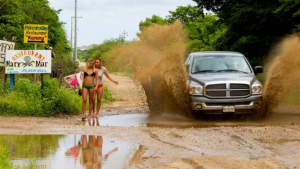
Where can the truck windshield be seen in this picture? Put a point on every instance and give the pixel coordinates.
(220, 63)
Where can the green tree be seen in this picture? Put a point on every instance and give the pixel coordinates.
(201, 29)
(254, 26)
(153, 20)
(185, 14)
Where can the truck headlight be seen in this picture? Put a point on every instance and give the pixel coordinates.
(256, 89)
(196, 90)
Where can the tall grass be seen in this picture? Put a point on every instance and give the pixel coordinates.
(5, 158)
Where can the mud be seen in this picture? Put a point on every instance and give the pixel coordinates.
(283, 71)
(181, 122)
(157, 59)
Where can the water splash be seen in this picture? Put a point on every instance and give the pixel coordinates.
(157, 59)
(283, 72)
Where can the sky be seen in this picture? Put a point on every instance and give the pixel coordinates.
(105, 19)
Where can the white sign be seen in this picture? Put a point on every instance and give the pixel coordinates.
(28, 61)
(5, 45)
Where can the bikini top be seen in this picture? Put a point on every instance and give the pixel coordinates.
(86, 74)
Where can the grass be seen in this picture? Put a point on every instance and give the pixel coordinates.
(5, 158)
(79, 123)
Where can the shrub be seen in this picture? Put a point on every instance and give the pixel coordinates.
(28, 99)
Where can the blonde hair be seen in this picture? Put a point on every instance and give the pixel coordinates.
(91, 60)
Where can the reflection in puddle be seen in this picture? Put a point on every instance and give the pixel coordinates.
(70, 151)
(176, 121)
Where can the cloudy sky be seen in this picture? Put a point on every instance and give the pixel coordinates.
(106, 19)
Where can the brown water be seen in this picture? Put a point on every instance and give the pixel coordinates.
(158, 62)
(283, 71)
(170, 120)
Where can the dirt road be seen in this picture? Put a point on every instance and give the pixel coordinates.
(172, 141)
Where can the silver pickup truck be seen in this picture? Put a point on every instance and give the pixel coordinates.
(223, 83)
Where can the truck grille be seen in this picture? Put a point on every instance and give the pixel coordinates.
(227, 90)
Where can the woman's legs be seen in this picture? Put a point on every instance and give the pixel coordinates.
(84, 96)
(84, 141)
(91, 100)
(99, 97)
(94, 101)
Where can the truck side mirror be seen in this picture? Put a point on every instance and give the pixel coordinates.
(258, 69)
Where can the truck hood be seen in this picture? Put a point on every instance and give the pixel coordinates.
(223, 77)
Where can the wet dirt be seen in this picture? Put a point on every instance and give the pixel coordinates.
(174, 141)
(181, 122)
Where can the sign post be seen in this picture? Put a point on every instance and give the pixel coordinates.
(36, 34)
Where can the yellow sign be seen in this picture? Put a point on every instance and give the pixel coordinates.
(35, 33)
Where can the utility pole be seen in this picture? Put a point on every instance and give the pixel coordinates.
(124, 33)
(71, 40)
(75, 44)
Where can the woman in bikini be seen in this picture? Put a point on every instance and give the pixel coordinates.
(90, 73)
(99, 88)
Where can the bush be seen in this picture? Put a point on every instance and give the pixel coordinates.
(28, 99)
(106, 96)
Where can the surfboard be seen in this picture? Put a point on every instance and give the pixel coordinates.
(75, 80)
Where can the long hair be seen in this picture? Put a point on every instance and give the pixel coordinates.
(91, 60)
(100, 62)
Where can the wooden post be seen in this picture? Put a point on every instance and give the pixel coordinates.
(11, 80)
(5, 78)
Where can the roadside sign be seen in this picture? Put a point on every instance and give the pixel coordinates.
(27, 61)
(5, 45)
(35, 33)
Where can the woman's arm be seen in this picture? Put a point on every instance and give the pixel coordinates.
(108, 77)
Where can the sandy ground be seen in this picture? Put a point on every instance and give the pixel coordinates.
(251, 146)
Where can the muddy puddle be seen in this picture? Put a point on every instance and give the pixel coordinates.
(69, 151)
(178, 121)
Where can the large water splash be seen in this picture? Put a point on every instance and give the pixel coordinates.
(283, 72)
(157, 59)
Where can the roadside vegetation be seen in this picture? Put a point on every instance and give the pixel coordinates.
(26, 98)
